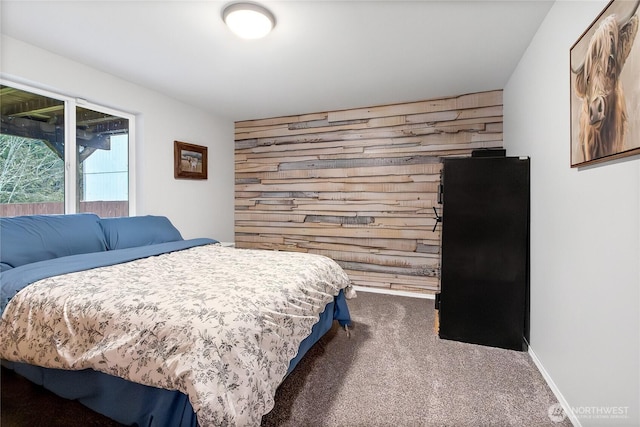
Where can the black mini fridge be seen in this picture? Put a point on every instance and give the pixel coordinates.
(484, 296)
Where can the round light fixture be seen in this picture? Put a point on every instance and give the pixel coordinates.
(248, 20)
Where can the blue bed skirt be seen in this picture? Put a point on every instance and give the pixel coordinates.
(136, 404)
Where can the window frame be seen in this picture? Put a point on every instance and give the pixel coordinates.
(70, 157)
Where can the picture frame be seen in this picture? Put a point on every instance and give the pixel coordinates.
(189, 161)
(605, 87)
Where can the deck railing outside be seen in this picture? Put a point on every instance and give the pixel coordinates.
(104, 209)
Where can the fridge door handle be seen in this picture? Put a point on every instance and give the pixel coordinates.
(438, 219)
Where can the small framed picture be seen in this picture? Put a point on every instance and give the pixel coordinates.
(189, 161)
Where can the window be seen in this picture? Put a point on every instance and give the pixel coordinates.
(102, 162)
(45, 169)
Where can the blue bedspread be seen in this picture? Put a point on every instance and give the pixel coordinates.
(148, 406)
(168, 406)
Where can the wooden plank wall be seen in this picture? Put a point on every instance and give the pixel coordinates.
(358, 185)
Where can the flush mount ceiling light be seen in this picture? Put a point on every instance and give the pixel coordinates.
(248, 20)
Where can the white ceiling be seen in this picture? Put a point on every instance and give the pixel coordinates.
(321, 56)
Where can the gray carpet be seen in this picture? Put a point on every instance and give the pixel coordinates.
(394, 371)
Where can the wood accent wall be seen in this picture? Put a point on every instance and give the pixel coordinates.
(359, 185)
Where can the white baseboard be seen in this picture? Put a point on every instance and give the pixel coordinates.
(554, 388)
(393, 292)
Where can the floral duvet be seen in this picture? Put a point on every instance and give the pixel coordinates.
(218, 324)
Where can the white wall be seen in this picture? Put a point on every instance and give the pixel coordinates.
(585, 234)
(197, 208)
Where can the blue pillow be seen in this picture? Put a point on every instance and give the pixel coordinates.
(33, 238)
(133, 231)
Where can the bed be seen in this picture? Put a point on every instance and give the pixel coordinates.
(149, 329)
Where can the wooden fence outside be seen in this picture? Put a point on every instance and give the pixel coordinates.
(359, 185)
(104, 209)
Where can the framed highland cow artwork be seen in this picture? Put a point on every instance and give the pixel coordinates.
(605, 87)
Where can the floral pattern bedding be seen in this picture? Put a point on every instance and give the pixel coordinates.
(219, 324)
